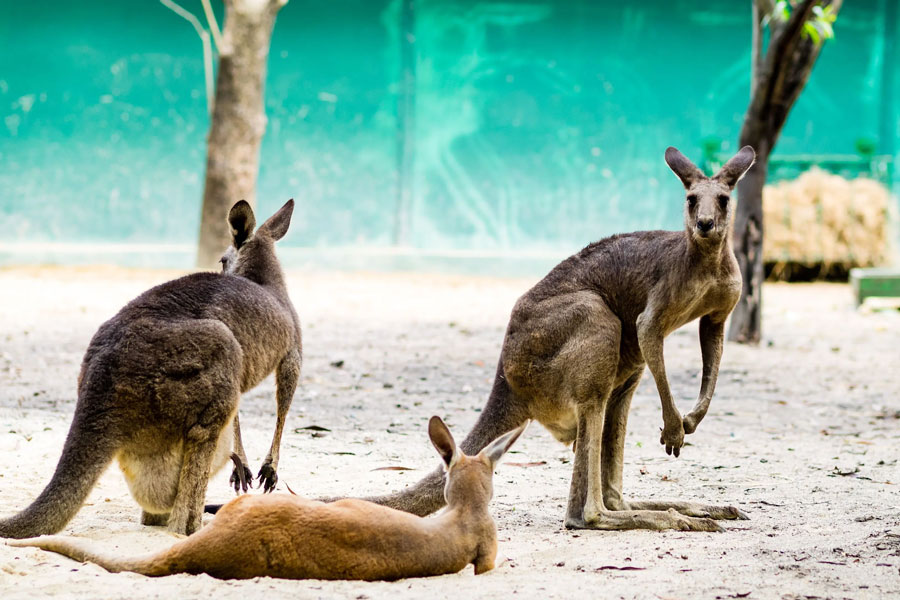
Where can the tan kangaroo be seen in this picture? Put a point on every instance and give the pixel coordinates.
(291, 537)
(577, 343)
(161, 381)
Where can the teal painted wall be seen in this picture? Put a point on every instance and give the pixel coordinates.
(537, 125)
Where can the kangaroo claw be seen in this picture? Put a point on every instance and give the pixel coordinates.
(267, 478)
(241, 476)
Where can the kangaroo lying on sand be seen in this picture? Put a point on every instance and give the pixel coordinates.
(295, 538)
(161, 381)
(577, 343)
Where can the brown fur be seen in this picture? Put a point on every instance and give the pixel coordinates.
(292, 537)
(161, 381)
(577, 343)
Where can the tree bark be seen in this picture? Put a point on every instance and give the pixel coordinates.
(238, 121)
(746, 319)
(778, 79)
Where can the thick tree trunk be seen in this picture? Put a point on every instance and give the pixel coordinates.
(778, 79)
(238, 121)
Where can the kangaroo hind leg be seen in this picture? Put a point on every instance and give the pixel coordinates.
(208, 404)
(287, 374)
(201, 447)
(656, 514)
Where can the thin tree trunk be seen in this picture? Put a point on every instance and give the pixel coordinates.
(746, 319)
(238, 121)
(406, 123)
(778, 79)
(755, 46)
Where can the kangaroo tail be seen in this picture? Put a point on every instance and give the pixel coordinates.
(151, 564)
(501, 414)
(88, 451)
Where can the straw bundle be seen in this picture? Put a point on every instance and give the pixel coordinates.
(825, 222)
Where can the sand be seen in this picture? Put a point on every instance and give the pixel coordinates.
(803, 434)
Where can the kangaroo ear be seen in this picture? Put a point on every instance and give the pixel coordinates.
(735, 168)
(278, 224)
(443, 441)
(496, 449)
(682, 166)
(242, 223)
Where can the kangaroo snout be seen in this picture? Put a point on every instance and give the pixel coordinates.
(705, 225)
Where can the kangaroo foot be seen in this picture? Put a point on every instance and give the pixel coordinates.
(180, 522)
(153, 519)
(692, 509)
(657, 520)
(267, 477)
(212, 508)
(241, 476)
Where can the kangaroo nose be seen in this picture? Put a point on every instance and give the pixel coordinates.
(704, 225)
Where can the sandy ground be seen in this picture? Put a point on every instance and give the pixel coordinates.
(803, 434)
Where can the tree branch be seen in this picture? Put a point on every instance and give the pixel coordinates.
(756, 42)
(805, 56)
(184, 14)
(783, 47)
(207, 49)
(213, 26)
(765, 7)
(276, 5)
(771, 75)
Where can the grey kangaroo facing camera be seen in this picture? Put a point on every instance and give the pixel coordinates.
(578, 341)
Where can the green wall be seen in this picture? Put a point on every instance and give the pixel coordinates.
(521, 125)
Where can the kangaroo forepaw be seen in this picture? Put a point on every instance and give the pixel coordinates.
(267, 478)
(241, 477)
(672, 437)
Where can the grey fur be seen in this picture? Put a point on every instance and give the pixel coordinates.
(161, 381)
(577, 343)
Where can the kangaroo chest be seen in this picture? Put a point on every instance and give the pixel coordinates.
(695, 300)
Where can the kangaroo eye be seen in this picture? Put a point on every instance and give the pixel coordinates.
(692, 200)
(723, 200)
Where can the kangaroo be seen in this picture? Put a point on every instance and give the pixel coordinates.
(295, 538)
(160, 384)
(578, 341)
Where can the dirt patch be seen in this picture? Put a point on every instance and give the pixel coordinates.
(803, 434)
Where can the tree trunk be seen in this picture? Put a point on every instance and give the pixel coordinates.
(746, 319)
(238, 121)
(778, 79)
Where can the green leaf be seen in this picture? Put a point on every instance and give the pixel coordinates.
(810, 30)
(782, 10)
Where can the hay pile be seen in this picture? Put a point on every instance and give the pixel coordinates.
(824, 222)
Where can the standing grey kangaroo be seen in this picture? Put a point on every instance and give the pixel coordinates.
(577, 343)
(161, 381)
